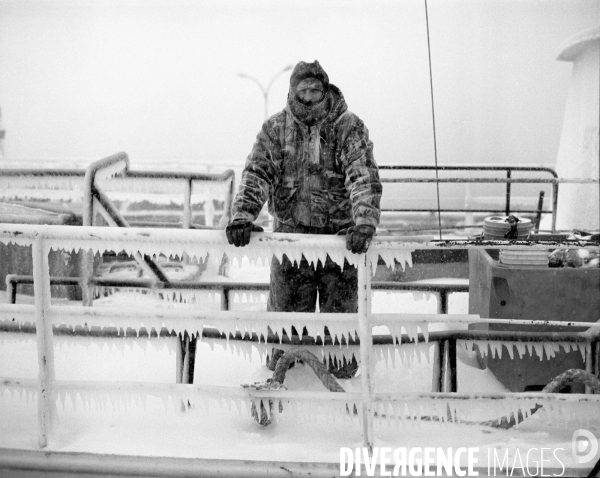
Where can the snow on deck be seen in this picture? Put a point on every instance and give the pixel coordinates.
(217, 429)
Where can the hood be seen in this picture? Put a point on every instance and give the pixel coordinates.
(305, 70)
(329, 109)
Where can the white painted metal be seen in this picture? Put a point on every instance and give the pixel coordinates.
(156, 241)
(45, 347)
(187, 205)
(366, 344)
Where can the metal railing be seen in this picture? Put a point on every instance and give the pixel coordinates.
(185, 368)
(200, 243)
(71, 183)
(14, 280)
(509, 180)
(95, 200)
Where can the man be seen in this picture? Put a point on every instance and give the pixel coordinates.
(314, 163)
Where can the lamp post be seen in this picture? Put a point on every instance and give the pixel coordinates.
(265, 91)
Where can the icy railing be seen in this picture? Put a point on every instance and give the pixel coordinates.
(390, 206)
(362, 407)
(71, 185)
(48, 184)
(112, 175)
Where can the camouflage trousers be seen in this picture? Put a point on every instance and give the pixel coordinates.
(295, 288)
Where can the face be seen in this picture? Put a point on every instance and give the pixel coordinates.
(309, 91)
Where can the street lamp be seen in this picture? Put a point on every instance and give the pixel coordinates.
(265, 91)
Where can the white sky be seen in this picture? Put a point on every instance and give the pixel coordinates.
(82, 79)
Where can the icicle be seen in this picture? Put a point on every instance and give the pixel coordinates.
(530, 347)
(424, 330)
(411, 331)
(417, 352)
(583, 348)
(539, 349)
(385, 350)
(482, 346)
(521, 349)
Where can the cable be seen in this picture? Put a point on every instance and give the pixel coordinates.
(437, 184)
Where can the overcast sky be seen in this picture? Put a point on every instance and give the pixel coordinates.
(82, 79)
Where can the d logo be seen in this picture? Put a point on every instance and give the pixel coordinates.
(584, 446)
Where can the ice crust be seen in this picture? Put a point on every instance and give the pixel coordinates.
(69, 188)
(111, 170)
(407, 410)
(542, 350)
(59, 188)
(172, 298)
(213, 245)
(311, 406)
(170, 189)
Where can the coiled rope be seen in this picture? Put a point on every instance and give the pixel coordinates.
(328, 380)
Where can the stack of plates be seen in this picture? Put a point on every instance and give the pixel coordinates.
(495, 227)
(524, 258)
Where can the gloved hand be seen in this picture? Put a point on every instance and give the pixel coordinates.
(238, 232)
(358, 238)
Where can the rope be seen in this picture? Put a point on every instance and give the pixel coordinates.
(327, 379)
(437, 184)
(283, 362)
(561, 381)
(292, 356)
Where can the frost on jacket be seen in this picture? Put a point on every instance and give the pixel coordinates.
(318, 176)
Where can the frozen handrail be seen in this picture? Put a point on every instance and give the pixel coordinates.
(263, 245)
(119, 164)
(213, 243)
(442, 289)
(106, 167)
(69, 184)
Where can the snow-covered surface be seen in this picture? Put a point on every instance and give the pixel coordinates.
(170, 428)
(142, 415)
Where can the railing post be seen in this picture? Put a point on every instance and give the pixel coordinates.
(179, 355)
(437, 380)
(554, 204)
(538, 215)
(228, 201)
(189, 358)
(366, 344)
(589, 364)
(508, 176)
(452, 365)
(187, 213)
(187, 204)
(447, 368)
(225, 298)
(86, 258)
(209, 213)
(444, 366)
(443, 303)
(595, 346)
(11, 289)
(41, 288)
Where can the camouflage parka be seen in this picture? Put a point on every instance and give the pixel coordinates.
(319, 176)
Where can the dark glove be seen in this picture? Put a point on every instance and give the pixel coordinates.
(238, 232)
(358, 238)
